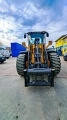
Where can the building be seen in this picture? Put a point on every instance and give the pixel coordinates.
(61, 43)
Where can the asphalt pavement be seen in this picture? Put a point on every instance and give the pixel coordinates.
(31, 103)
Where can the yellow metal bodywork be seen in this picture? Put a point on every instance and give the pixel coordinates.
(49, 43)
(41, 48)
(32, 52)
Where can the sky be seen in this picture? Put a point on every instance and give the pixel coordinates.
(20, 16)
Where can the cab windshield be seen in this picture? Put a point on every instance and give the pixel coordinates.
(32, 41)
(32, 38)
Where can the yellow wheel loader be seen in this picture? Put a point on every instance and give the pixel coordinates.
(38, 64)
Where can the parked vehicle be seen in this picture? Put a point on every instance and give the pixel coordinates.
(2, 58)
(5, 52)
(64, 52)
(65, 57)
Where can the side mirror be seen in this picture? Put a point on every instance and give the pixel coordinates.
(24, 35)
(47, 34)
(50, 42)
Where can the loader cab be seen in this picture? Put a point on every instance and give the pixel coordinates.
(40, 37)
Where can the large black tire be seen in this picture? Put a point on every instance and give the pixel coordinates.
(20, 64)
(55, 62)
